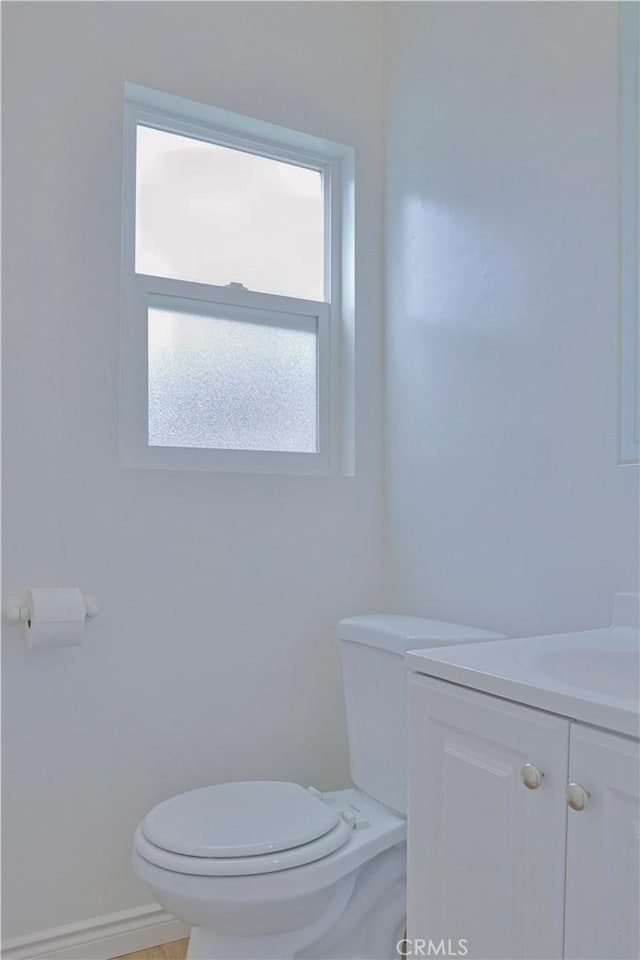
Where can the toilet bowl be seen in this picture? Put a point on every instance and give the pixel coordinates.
(339, 893)
(272, 870)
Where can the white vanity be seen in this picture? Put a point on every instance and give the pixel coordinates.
(524, 775)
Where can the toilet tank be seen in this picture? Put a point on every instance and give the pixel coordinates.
(375, 683)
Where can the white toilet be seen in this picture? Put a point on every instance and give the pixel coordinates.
(267, 869)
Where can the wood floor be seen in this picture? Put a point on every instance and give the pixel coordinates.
(168, 951)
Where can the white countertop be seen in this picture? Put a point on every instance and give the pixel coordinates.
(592, 676)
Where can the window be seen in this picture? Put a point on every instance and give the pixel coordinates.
(237, 292)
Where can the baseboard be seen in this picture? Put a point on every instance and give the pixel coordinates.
(101, 938)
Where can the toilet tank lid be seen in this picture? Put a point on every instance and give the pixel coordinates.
(398, 633)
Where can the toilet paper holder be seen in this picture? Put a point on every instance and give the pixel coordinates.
(17, 610)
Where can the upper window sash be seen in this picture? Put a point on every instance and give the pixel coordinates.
(139, 115)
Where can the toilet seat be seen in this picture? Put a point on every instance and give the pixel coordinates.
(240, 829)
(244, 866)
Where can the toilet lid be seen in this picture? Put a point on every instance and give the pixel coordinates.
(306, 853)
(241, 819)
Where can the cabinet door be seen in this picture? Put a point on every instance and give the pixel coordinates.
(603, 896)
(486, 855)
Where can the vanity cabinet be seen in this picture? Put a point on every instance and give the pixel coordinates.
(492, 839)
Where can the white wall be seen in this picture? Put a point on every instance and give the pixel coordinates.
(214, 656)
(506, 507)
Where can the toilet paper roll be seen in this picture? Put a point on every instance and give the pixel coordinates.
(57, 617)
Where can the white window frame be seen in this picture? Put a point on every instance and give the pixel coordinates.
(629, 338)
(333, 318)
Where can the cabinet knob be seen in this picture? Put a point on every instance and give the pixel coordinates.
(531, 776)
(577, 796)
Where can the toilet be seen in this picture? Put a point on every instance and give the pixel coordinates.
(273, 870)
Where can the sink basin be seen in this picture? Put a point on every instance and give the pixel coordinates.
(592, 676)
(603, 665)
(613, 673)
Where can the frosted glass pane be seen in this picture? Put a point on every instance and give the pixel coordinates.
(211, 214)
(231, 384)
